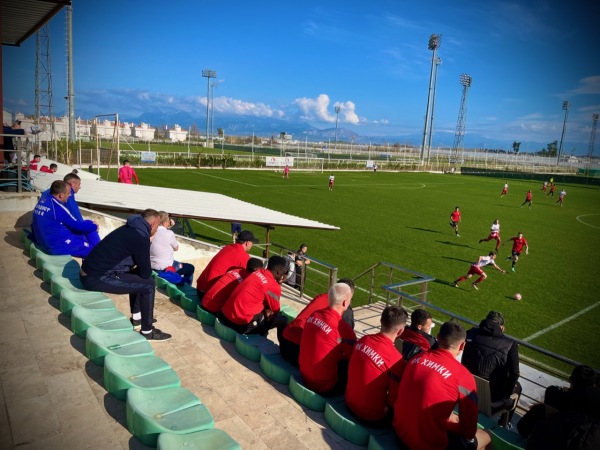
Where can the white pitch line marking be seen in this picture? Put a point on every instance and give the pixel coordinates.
(585, 215)
(562, 322)
(224, 179)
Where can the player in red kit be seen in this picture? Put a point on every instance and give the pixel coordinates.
(504, 190)
(455, 218)
(551, 192)
(518, 243)
(528, 199)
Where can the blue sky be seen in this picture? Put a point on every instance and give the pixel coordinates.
(298, 60)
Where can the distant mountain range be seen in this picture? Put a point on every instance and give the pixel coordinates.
(267, 127)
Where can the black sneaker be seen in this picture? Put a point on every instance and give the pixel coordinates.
(137, 324)
(156, 335)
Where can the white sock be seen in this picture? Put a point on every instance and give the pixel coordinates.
(137, 316)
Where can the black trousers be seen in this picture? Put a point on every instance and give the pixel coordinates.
(141, 292)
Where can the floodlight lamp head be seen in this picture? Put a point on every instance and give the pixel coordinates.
(208, 73)
(595, 116)
(338, 109)
(566, 105)
(434, 41)
(465, 80)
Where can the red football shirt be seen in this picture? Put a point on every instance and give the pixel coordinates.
(257, 292)
(229, 257)
(293, 331)
(373, 376)
(412, 336)
(518, 244)
(431, 386)
(217, 295)
(326, 339)
(455, 216)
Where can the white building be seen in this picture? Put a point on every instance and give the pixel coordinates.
(144, 132)
(176, 134)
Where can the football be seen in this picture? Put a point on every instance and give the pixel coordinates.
(518, 296)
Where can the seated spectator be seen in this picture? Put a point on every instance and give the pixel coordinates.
(253, 307)
(53, 168)
(432, 385)
(375, 369)
(326, 345)
(33, 164)
(494, 357)
(582, 396)
(54, 228)
(74, 181)
(570, 430)
(416, 338)
(164, 244)
(290, 341)
(229, 257)
(120, 264)
(217, 295)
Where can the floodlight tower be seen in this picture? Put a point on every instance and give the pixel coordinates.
(434, 43)
(208, 74)
(566, 105)
(337, 116)
(592, 140)
(438, 61)
(465, 81)
(212, 111)
(43, 80)
(70, 84)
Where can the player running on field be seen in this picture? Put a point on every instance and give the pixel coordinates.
(545, 186)
(476, 269)
(331, 180)
(528, 199)
(551, 192)
(504, 190)
(518, 243)
(455, 218)
(494, 234)
(561, 197)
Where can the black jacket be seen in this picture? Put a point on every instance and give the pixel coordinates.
(491, 355)
(124, 249)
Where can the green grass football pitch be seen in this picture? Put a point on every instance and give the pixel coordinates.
(403, 219)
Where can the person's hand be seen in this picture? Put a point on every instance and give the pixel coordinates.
(453, 418)
(268, 313)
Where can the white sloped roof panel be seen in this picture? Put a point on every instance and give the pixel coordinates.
(179, 202)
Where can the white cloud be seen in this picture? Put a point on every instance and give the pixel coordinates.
(317, 109)
(233, 106)
(587, 86)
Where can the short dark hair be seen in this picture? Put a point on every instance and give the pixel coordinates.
(393, 317)
(58, 187)
(125, 161)
(492, 253)
(347, 281)
(277, 264)
(419, 316)
(70, 177)
(150, 213)
(54, 165)
(582, 377)
(451, 334)
(254, 264)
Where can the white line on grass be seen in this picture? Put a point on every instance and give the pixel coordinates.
(224, 179)
(585, 215)
(562, 322)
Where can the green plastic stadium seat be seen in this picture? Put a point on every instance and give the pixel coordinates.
(129, 344)
(305, 396)
(385, 441)
(68, 270)
(23, 235)
(107, 319)
(343, 422)
(59, 283)
(289, 312)
(41, 259)
(224, 332)
(33, 251)
(205, 317)
(504, 439)
(486, 422)
(173, 291)
(88, 299)
(143, 372)
(172, 410)
(277, 368)
(213, 439)
(189, 302)
(161, 283)
(251, 346)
